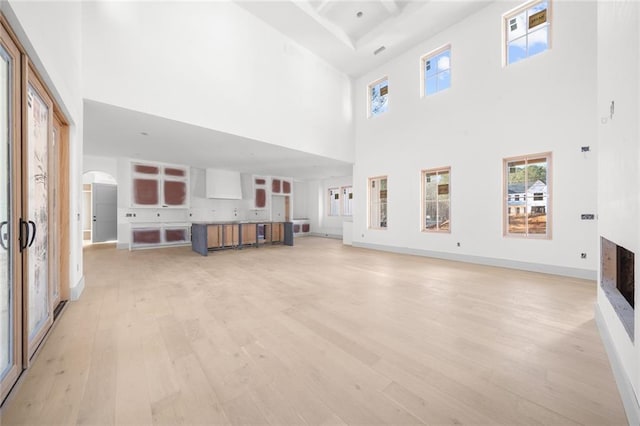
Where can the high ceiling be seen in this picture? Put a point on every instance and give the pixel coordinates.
(348, 33)
(345, 33)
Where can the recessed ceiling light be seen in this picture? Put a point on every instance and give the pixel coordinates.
(378, 50)
(359, 14)
(144, 133)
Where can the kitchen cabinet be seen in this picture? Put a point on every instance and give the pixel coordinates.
(207, 237)
(157, 185)
(249, 233)
(149, 235)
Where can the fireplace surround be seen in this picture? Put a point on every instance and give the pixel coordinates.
(617, 265)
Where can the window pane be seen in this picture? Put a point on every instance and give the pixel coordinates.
(430, 67)
(516, 26)
(444, 80)
(431, 86)
(537, 216)
(538, 41)
(517, 220)
(431, 214)
(443, 214)
(517, 50)
(431, 187)
(379, 95)
(444, 60)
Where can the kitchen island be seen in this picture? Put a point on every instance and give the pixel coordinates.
(211, 236)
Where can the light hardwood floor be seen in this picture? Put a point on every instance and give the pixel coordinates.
(319, 333)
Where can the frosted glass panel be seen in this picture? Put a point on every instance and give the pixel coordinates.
(37, 181)
(6, 296)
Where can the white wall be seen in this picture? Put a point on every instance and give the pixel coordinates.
(318, 204)
(544, 103)
(93, 163)
(215, 65)
(300, 203)
(619, 179)
(51, 34)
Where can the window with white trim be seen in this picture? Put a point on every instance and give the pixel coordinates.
(436, 71)
(378, 95)
(378, 202)
(436, 198)
(334, 202)
(527, 196)
(347, 201)
(526, 31)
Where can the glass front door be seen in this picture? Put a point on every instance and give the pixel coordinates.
(39, 125)
(10, 271)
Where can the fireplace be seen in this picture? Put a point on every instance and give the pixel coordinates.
(617, 265)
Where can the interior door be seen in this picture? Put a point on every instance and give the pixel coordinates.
(10, 190)
(37, 180)
(105, 211)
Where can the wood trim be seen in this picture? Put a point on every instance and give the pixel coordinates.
(9, 44)
(64, 189)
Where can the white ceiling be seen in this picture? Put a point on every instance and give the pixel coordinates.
(329, 28)
(112, 131)
(332, 29)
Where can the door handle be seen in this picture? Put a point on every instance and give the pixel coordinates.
(24, 234)
(2, 234)
(33, 236)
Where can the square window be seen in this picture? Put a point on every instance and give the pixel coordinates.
(527, 31)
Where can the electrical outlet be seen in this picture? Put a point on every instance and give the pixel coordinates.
(458, 244)
(585, 149)
(587, 216)
(583, 255)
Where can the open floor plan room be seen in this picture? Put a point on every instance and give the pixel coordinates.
(320, 333)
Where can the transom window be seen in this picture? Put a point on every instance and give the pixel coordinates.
(436, 198)
(378, 97)
(527, 31)
(378, 202)
(436, 71)
(527, 196)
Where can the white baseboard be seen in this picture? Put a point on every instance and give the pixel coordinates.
(586, 274)
(324, 235)
(77, 289)
(628, 396)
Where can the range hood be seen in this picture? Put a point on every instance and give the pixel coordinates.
(223, 184)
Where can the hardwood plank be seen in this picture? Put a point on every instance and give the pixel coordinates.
(319, 333)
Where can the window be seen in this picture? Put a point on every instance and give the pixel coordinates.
(436, 71)
(527, 31)
(436, 198)
(378, 96)
(378, 202)
(347, 201)
(527, 196)
(334, 202)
